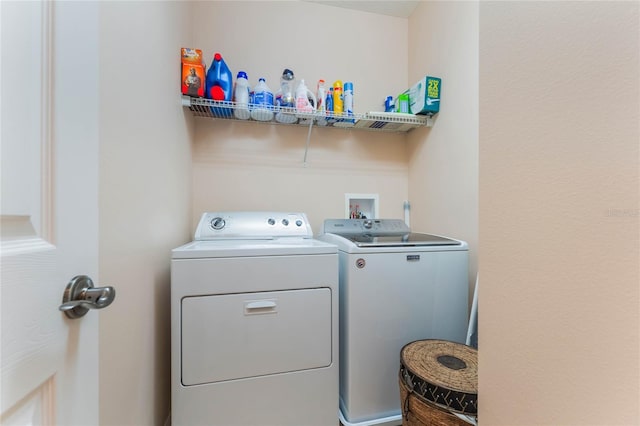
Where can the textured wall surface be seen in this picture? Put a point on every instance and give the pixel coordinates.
(145, 201)
(559, 213)
(443, 160)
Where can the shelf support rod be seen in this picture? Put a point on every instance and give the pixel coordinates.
(306, 149)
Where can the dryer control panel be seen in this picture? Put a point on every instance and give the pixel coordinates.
(252, 226)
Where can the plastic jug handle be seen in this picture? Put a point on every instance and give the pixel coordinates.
(313, 97)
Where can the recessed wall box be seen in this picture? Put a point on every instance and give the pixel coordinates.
(361, 206)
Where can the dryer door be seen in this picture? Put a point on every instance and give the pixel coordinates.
(235, 336)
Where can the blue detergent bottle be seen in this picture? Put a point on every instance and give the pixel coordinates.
(219, 85)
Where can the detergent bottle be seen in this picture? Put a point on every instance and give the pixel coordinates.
(219, 85)
(241, 96)
(285, 98)
(305, 103)
(305, 99)
(262, 101)
(219, 79)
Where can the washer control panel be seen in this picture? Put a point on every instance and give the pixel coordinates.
(252, 225)
(365, 226)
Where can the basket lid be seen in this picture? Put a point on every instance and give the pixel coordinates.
(446, 364)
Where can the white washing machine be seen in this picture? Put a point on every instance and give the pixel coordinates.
(254, 323)
(395, 287)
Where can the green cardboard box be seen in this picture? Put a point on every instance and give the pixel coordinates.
(424, 96)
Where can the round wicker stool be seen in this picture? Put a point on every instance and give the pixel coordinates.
(437, 379)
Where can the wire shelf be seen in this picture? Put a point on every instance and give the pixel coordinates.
(373, 121)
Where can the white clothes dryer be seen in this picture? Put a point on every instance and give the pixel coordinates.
(395, 287)
(254, 323)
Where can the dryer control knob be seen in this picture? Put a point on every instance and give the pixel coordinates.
(271, 221)
(217, 223)
(298, 222)
(285, 222)
(368, 224)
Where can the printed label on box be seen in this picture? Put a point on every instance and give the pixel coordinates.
(192, 79)
(424, 96)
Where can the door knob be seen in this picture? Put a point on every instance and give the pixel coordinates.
(80, 295)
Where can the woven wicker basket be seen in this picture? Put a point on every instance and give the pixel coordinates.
(417, 412)
(437, 378)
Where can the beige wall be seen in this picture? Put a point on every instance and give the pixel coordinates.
(249, 166)
(145, 176)
(443, 160)
(559, 213)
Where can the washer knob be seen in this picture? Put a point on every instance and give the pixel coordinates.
(217, 223)
(285, 222)
(271, 221)
(298, 222)
(368, 224)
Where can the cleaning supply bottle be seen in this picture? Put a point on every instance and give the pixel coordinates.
(305, 103)
(389, 104)
(285, 98)
(348, 98)
(219, 85)
(338, 100)
(321, 107)
(321, 94)
(305, 99)
(241, 96)
(328, 104)
(348, 106)
(219, 79)
(262, 102)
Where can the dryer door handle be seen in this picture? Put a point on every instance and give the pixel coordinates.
(260, 307)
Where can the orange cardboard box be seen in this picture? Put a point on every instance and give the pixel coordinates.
(193, 74)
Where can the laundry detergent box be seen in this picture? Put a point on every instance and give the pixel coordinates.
(192, 79)
(424, 96)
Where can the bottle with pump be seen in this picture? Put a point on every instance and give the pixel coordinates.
(219, 84)
(262, 102)
(241, 96)
(338, 100)
(285, 97)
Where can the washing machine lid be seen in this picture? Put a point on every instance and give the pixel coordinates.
(411, 239)
(372, 233)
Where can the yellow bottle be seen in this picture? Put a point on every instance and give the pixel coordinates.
(338, 99)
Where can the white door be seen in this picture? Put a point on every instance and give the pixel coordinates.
(49, 154)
